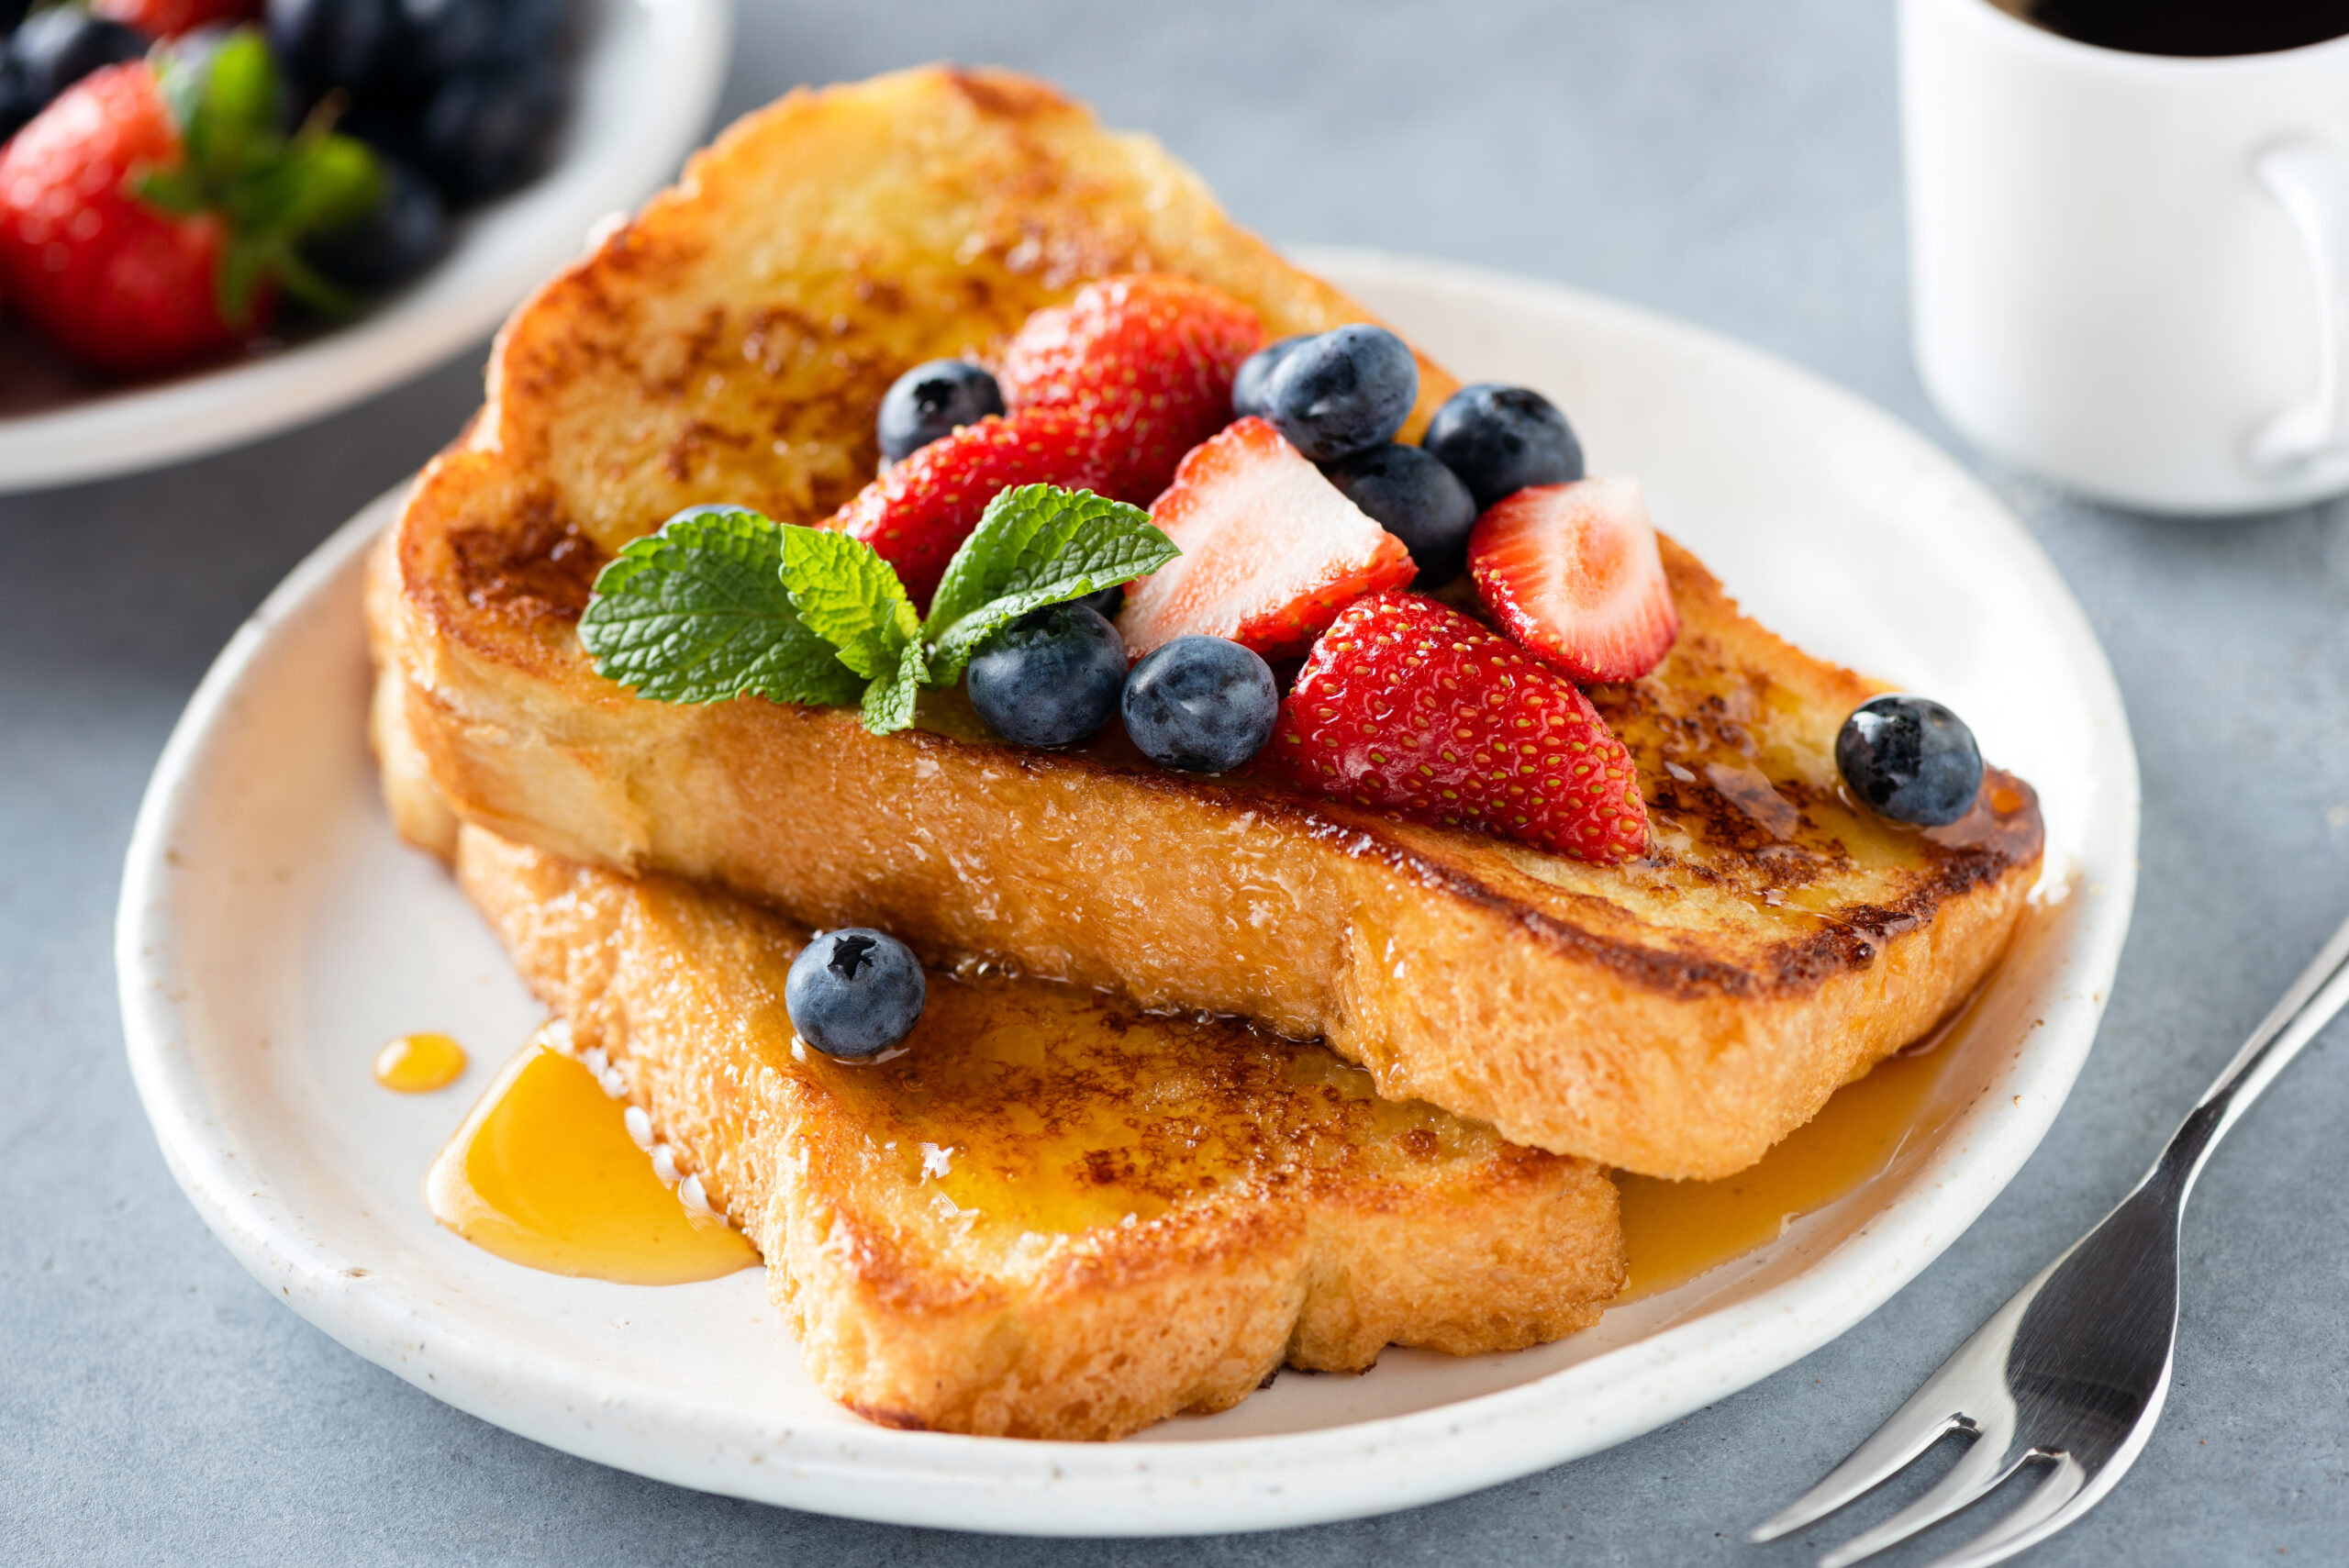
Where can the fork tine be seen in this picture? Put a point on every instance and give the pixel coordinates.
(1967, 1391)
(1977, 1472)
(2054, 1503)
(1909, 1433)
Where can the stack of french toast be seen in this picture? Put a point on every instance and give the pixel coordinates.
(1216, 1073)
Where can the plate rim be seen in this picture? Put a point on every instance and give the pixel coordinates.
(136, 428)
(1194, 1486)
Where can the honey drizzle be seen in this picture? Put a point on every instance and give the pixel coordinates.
(543, 1173)
(419, 1063)
(1676, 1231)
(1673, 1231)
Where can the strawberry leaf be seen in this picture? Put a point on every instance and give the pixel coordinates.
(273, 192)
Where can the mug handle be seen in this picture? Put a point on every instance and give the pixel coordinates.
(2309, 180)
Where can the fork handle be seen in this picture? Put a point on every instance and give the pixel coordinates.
(2320, 992)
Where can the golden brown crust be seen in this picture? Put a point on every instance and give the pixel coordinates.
(1674, 1016)
(1053, 1216)
(733, 341)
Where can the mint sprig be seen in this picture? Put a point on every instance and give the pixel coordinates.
(848, 595)
(698, 613)
(721, 602)
(1035, 546)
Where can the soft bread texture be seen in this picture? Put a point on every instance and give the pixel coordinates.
(733, 343)
(1674, 1016)
(1052, 1215)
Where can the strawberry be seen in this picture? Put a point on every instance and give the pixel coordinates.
(1408, 705)
(1572, 572)
(170, 19)
(918, 513)
(1272, 551)
(148, 216)
(1149, 355)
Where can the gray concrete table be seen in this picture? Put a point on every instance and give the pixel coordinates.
(1730, 162)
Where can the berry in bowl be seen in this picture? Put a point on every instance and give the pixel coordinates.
(219, 217)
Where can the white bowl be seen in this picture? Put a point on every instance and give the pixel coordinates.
(645, 77)
(273, 933)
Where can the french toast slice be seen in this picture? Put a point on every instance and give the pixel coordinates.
(1052, 1215)
(1674, 1016)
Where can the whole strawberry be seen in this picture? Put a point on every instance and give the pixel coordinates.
(1149, 357)
(148, 216)
(917, 515)
(1408, 705)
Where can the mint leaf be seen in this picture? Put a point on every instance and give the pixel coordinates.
(848, 595)
(1036, 545)
(698, 612)
(890, 701)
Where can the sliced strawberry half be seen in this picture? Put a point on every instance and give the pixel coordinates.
(917, 515)
(1272, 551)
(1573, 573)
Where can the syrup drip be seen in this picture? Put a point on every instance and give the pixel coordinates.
(419, 1063)
(1676, 1231)
(543, 1173)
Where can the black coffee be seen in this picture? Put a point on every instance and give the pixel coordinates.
(2192, 27)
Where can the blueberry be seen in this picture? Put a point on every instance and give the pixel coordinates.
(1201, 703)
(51, 51)
(485, 129)
(439, 38)
(854, 992)
(1343, 392)
(1410, 494)
(18, 103)
(1105, 603)
(333, 43)
(1499, 439)
(532, 27)
(1248, 386)
(1910, 759)
(933, 400)
(407, 232)
(1050, 678)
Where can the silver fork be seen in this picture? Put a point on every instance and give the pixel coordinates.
(2071, 1372)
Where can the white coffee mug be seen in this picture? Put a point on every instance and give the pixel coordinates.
(2131, 272)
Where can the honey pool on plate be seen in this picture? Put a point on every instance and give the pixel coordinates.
(419, 1063)
(1676, 1231)
(544, 1174)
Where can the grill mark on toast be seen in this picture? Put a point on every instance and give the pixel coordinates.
(1981, 850)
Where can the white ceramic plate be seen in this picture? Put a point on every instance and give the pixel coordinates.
(646, 75)
(273, 934)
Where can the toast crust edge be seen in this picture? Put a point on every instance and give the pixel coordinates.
(1678, 1065)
